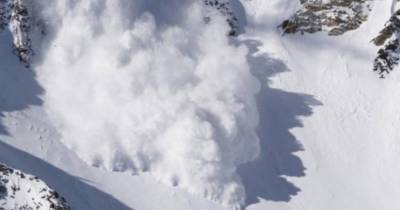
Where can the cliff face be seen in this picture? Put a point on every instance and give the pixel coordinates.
(15, 16)
(20, 191)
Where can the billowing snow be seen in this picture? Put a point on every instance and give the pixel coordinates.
(176, 100)
(176, 96)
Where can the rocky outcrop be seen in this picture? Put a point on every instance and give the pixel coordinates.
(21, 191)
(388, 40)
(334, 16)
(15, 15)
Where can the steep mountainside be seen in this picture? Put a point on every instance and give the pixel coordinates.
(20, 191)
(199, 104)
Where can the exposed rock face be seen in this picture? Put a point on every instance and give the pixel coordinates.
(15, 15)
(388, 39)
(333, 16)
(20, 191)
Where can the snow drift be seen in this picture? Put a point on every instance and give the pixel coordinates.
(132, 87)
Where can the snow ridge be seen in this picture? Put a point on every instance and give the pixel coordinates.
(20, 191)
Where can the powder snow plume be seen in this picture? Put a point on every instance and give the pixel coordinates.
(133, 86)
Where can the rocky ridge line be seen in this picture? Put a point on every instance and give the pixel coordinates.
(21, 191)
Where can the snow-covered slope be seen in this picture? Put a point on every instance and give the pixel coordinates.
(20, 191)
(350, 143)
(261, 121)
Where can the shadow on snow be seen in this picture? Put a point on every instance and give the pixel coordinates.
(279, 112)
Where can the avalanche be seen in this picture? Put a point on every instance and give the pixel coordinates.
(202, 96)
(132, 88)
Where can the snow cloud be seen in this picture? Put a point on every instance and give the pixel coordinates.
(145, 86)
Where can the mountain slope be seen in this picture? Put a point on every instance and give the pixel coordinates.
(23, 191)
(350, 141)
(328, 127)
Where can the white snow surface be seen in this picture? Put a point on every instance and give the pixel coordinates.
(128, 86)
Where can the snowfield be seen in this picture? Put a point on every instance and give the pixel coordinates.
(149, 105)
